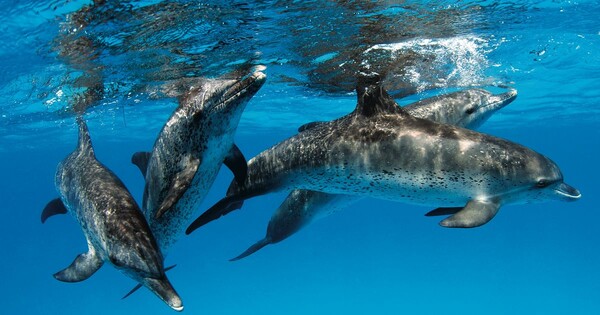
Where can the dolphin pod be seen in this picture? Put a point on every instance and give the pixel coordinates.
(419, 154)
(112, 222)
(468, 108)
(380, 150)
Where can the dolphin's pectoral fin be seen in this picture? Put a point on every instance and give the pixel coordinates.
(54, 207)
(139, 285)
(179, 186)
(81, 268)
(442, 211)
(140, 159)
(474, 214)
(236, 162)
(252, 249)
(310, 125)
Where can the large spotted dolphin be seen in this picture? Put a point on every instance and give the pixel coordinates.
(189, 151)
(113, 224)
(467, 108)
(380, 150)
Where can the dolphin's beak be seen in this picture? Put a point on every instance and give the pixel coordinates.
(164, 290)
(567, 192)
(242, 90)
(501, 100)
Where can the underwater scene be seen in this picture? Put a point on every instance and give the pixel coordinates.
(300, 157)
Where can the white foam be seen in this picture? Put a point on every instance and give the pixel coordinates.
(440, 62)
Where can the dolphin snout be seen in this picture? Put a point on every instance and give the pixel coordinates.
(567, 192)
(165, 291)
(505, 98)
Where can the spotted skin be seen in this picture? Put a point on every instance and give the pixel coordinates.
(112, 222)
(381, 151)
(193, 144)
(467, 108)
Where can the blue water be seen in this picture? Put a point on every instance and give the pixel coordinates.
(375, 257)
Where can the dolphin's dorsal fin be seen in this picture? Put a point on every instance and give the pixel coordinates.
(236, 162)
(372, 98)
(82, 267)
(85, 142)
(140, 159)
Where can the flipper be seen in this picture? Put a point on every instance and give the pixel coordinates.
(54, 207)
(81, 268)
(219, 209)
(236, 162)
(230, 191)
(252, 249)
(179, 186)
(141, 160)
(474, 214)
(442, 211)
(139, 285)
(310, 125)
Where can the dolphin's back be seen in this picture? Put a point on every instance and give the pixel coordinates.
(107, 212)
(418, 154)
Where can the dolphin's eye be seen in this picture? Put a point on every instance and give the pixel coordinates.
(542, 183)
(470, 110)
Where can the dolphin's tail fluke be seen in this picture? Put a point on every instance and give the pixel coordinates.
(252, 249)
(221, 208)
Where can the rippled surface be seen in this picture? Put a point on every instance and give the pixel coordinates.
(117, 56)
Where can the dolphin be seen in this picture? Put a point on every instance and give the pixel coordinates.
(113, 224)
(468, 108)
(380, 150)
(189, 151)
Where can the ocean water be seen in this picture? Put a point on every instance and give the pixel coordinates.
(116, 58)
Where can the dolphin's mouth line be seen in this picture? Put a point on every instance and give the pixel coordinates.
(566, 194)
(238, 89)
(177, 308)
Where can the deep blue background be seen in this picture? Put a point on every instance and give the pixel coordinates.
(377, 256)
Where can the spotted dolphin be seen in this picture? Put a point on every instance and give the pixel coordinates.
(189, 151)
(380, 150)
(112, 222)
(466, 108)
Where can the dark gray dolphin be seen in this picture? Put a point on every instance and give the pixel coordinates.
(113, 224)
(380, 150)
(189, 151)
(467, 108)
